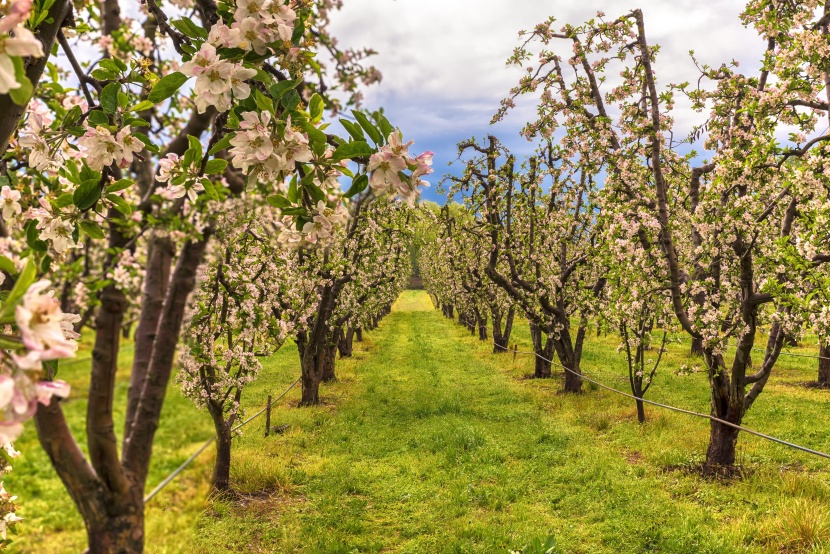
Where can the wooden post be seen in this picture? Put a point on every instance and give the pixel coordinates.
(515, 352)
(268, 417)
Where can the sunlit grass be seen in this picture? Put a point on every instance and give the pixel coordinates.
(430, 443)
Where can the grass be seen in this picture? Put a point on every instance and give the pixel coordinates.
(430, 443)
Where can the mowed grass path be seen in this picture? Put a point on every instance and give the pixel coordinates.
(429, 443)
(432, 444)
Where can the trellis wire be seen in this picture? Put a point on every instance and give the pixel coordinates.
(210, 441)
(676, 409)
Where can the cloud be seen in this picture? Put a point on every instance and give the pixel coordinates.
(444, 68)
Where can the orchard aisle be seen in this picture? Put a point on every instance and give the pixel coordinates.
(435, 448)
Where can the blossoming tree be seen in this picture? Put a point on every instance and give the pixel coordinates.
(116, 163)
(724, 227)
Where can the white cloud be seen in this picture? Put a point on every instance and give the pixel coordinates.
(444, 60)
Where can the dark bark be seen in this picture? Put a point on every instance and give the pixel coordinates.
(722, 442)
(358, 334)
(221, 479)
(138, 444)
(824, 366)
(641, 413)
(697, 346)
(501, 335)
(481, 323)
(543, 347)
(329, 354)
(345, 344)
(60, 13)
(156, 280)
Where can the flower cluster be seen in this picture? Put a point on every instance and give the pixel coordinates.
(261, 150)
(102, 148)
(218, 81)
(387, 166)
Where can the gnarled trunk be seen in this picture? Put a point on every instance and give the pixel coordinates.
(221, 480)
(824, 366)
(543, 347)
(501, 335)
(329, 354)
(697, 347)
(345, 344)
(726, 406)
(481, 323)
(358, 334)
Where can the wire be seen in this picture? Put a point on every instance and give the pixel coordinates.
(782, 353)
(74, 361)
(210, 441)
(676, 409)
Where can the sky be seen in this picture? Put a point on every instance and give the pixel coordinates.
(443, 61)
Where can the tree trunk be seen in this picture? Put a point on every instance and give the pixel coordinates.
(573, 378)
(329, 353)
(358, 334)
(345, 344)
(481, 322)
(726, 406)
(637, 390)
(118, 534)
(543, 353)
(722, 442)
(501, 335)
(641, 412)
(824, 366)
(221, 481)
(697, 347)
(311, 377)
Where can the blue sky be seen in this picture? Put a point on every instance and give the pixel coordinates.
(444, 68)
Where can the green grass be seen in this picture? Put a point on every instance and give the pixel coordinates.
(430, 443)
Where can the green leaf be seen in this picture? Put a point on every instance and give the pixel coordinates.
(278, 201)
(21, 285)
(193, 155)
(72, 117)
(97, 117)
(351, 150)
(111, 65)
(224, 142)
(290, 100)
(278, 90)
(33, 237)
(210, 189)
(315, 192)
(215, 166)
(189, 28)
(121, 184)
(385, 127)
(370, 129)
(146, 140)
(104, 74)
(120, 204)
(314, 134)
(87, 194)
(315, 108)
(167, 87)
(21, 94)
(109, 98)
(354, 130)
(7, 265)
(263, 102)
(358, 185)
(64, 200)
(141, 106)
(91, 228)
(293, 192)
